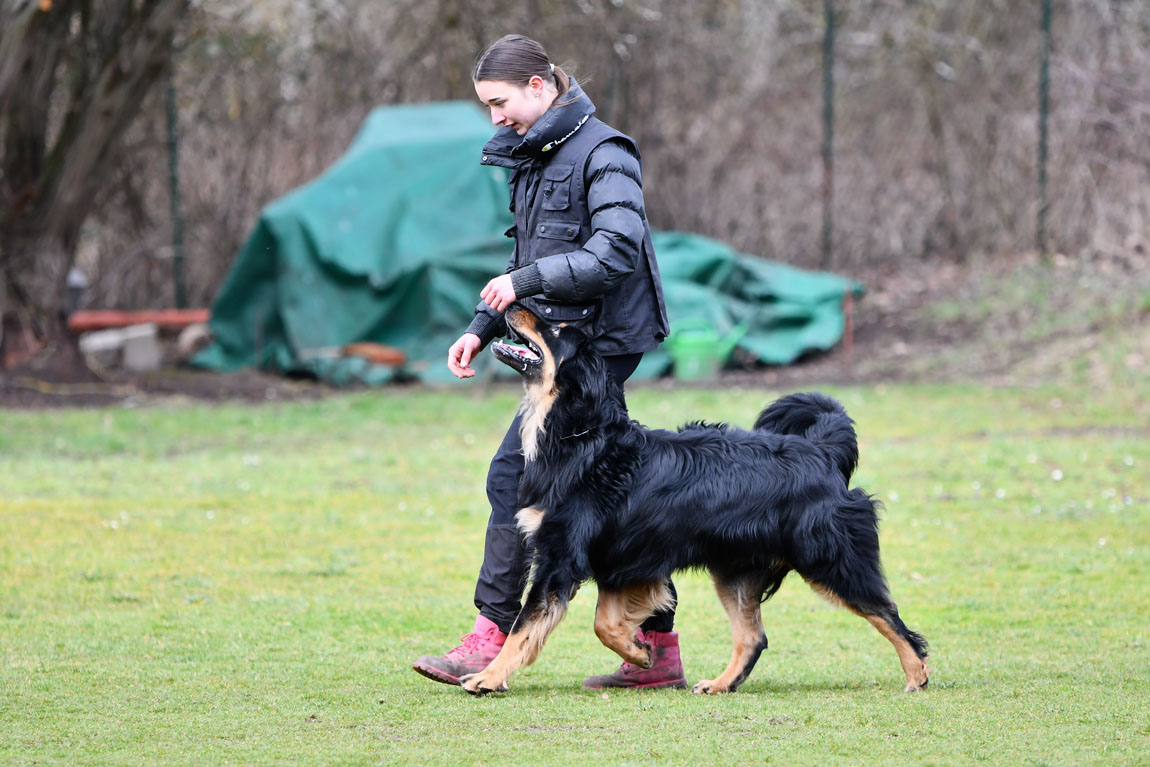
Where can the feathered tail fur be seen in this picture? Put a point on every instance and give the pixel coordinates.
(819, 419)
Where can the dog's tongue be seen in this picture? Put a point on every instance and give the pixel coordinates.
(522, 352)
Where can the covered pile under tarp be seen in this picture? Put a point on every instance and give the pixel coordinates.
(393, 243)
(777, 311)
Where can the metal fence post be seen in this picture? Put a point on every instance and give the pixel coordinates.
(1043, 120)
(828, 132)
(174, 188)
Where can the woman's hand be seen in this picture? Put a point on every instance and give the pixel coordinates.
(499, 294)
(461, 353)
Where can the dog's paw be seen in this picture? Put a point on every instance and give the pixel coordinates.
(708, 687)
(477, 685)
(645, 655)
(919, 678)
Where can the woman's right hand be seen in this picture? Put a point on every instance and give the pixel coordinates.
(461, 353)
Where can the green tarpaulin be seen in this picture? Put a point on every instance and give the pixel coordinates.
(393, 243)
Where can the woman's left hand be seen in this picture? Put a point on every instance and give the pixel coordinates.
(499, 294)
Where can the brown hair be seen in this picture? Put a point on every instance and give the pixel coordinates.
(516, 59)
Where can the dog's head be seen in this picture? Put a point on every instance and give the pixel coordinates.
(568, 391)
(545, 348)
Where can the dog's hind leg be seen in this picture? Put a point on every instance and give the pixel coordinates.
(740, 597)
(882, 613)
(619, 613)
(911, 647)
(843, 565)
(523, 644)
(868, 597)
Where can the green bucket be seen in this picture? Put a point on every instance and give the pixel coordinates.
(698, 351)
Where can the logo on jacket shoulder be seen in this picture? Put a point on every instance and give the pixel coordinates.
(552, 144)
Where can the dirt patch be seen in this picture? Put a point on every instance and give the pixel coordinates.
(23, 389)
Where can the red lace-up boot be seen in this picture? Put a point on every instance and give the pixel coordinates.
(478, 649)
(666, 667)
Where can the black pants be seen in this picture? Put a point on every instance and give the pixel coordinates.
(506, 560)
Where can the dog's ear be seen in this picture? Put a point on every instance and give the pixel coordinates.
(586, 387)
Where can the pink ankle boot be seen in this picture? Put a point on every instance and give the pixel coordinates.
(666, 667)
(478, 649)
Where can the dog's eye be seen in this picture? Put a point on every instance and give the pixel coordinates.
(555, 331)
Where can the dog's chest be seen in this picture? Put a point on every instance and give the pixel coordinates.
(534, 411)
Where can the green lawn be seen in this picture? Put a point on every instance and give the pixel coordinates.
(249, 585)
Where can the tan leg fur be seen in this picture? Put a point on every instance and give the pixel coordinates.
(521, 649)
(619, 613)
(915, 668)
(747, 636)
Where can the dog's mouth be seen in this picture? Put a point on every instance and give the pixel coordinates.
(522, 358)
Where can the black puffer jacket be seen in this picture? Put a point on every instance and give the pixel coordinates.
(583, 252)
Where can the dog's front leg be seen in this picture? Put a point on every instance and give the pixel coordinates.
(535, 623)
(619, 613)
(740, 598)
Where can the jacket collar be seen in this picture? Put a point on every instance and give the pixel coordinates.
(570, 112)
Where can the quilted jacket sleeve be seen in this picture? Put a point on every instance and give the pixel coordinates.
(615, 198)
(488, 323)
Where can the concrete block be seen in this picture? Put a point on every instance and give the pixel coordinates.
(103, 347)
(141, 348)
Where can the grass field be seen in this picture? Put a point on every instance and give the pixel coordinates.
(249, 585)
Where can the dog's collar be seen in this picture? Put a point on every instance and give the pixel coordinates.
(580, 434)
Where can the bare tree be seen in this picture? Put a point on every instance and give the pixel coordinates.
(935, 136)
(73, 77)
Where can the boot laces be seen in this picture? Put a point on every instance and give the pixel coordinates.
(471, 643)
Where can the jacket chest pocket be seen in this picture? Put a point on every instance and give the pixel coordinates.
(585, 317)
(556, 189)
(551, 237)
(557, 230)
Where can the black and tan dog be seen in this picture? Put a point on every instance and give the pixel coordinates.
(607, 499)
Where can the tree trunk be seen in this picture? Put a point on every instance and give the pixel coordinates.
(15, 16)
(33, 297)
(94, 71)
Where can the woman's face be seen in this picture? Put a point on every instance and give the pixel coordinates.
(515, 106)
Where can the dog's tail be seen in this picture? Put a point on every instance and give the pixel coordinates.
(819, 419)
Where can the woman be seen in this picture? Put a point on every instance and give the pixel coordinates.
(582, 256)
